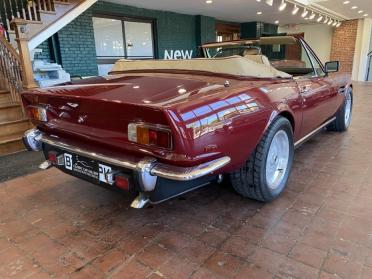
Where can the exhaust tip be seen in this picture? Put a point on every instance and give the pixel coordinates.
(140, 201)
(45, 165)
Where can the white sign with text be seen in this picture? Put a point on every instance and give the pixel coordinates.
(177, 54)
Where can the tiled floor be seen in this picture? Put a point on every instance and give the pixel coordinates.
(321, 227)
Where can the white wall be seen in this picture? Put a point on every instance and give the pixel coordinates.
(318, 36)
(362, 47)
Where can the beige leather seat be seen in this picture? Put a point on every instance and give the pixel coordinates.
(261, 59)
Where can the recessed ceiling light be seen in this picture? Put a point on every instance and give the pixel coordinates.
(282, 6)
(346, 2)
(259, 13)
(295, 10)
(209, 1)
(354, 7)
(304, 14)
(258, 0)
(276, 22)
(359, 12)
(365, 15)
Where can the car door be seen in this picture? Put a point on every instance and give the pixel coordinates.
(317, 93)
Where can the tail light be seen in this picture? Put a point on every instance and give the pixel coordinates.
(150, 135)
(37, 113)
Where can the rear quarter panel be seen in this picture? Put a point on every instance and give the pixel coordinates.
(233, 121)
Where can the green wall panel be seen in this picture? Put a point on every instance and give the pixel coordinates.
(77, 46)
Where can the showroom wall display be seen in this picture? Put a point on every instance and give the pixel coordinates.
(175, 36)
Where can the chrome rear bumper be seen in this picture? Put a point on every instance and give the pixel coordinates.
(148, 168)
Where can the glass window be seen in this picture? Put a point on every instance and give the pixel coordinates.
(138, 37)
(117, 39)
(108, 34)
(317, 66)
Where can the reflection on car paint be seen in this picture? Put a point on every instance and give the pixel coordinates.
(215, 115)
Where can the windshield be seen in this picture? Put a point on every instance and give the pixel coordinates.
(291, 58)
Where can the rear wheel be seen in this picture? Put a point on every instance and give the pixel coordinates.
(344, 114)
(265, 173)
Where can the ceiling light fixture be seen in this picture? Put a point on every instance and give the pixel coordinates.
(354, 7)
(346, 2)
(330, 22)
(295, 10)
(209, 1)
(334, 23)
(320, 18)
(312, 16)
(282, 6)
(259, 13)
(276, 22)
(365, 15)
(269, 2)
(338, 24)
(361, 11)
(304, 14)
(326, 20)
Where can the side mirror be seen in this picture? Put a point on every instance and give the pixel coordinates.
(332, 67)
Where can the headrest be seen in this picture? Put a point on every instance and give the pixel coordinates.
(251, 51)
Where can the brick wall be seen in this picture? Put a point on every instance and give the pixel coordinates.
(343, 45)
(78, 51)
(45, 54)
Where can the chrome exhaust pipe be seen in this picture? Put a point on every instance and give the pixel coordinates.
(140, 201)
(45, 165)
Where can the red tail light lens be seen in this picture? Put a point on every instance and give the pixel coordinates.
(150, 135)
(122, 182)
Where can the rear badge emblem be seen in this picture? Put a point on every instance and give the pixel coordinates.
(73, 105)
(82, 119)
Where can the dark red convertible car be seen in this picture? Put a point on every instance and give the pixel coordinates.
(164, 127)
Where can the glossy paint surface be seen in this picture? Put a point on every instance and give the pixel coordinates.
(207, 117)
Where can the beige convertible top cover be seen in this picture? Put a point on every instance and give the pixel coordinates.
(234, 65)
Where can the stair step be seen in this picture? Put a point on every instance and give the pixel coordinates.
(61, 2)
(48, 12)
(11, 144)
(10, 112)
(13, 127)
(5, 96)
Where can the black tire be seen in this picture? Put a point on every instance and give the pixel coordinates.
(340, 125)
(250, 180)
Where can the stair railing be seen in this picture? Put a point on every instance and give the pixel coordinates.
(24, 9)
(10, 69)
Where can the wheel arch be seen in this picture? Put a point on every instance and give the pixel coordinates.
(290, 117)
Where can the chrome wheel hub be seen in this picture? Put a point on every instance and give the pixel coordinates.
(277, 159)
(348, 108)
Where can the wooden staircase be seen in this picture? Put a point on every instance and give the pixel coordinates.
(12, 124)
(27, 23)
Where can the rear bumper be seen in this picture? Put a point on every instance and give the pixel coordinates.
(147, 168)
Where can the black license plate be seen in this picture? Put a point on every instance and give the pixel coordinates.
(87, 168)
